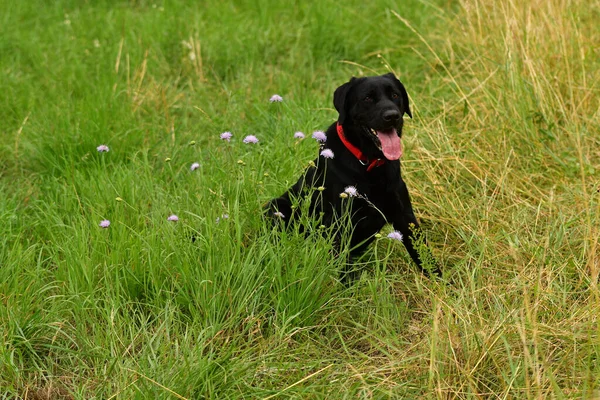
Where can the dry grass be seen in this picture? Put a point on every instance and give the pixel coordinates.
(512, 169)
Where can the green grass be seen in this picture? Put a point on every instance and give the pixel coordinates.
(502, 160)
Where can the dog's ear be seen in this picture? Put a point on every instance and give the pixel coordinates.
(339, 98)
(403, 93)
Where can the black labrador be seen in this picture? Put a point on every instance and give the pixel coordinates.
(360, 157)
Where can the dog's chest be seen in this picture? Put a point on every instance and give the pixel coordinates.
(380, 183)
(376, 189)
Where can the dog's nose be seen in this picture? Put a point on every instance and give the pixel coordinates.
(391, 116)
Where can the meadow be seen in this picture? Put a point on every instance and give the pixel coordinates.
(502, 159)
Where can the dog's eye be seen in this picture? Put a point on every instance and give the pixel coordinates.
(394, 96)
(368, 99)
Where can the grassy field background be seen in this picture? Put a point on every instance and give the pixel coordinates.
(502, 159)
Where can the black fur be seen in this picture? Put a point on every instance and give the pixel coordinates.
(379, 103)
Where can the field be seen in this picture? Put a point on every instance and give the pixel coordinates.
(502, 159)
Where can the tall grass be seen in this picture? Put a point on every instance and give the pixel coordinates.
(502, 161)
(509, 167)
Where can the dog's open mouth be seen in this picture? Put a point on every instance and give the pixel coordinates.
(388, 142)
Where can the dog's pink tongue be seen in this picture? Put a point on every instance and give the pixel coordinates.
(391, 145)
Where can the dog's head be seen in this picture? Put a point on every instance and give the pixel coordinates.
(374, 106)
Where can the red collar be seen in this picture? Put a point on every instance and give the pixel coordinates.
(364, 160)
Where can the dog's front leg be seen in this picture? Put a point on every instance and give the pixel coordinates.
(414, 240)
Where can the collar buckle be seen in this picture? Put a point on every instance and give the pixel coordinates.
(362, 159)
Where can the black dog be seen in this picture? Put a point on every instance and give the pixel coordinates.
(366, 146)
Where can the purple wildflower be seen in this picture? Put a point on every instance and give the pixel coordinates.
(351, 191)
(102, 148)
(395, 236)
(299, 135)
(279, 214)
(250, 139)
(194, 166)
(173, 218)
(327, 153)
(319, 136)
(226, 136)
(276, 99)
(104, 223)
(224, 216)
